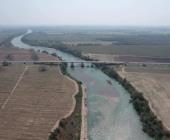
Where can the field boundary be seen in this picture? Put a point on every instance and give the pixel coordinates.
(84, 129)
(74, 102)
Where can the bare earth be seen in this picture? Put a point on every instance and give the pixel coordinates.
(32, 102)
(156, 88)
(22, 54)
(126, 58)
(84, 129)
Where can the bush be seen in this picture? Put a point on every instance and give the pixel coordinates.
(63, 67)
(1, 68)
(9, 57)
(45, 52)
(54, 54)
(34, 55)
(43, 68)
(5, 63)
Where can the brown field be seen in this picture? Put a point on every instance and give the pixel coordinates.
(127, 58)
(155, 85)
(22, 54)
(31, 102)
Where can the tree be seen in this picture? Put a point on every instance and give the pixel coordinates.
(54, 54)
(42, 68)
(5, 63)
(72, 65)
(9, 57)
(34, 55)
(45, 52)
(82, 65)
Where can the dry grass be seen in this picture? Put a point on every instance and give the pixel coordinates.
(156, 88)
(22, 54)
(101, 57)
(38, 102)
(126, 58)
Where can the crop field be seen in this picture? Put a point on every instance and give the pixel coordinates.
(127, 58)
(14, 54)
(154, 84)
(32, 101)
(140, 42)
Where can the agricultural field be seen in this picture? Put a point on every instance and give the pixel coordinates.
(33, 99)
(15, 54)
(8, 52)
(128, 41)
(153, 82)
(126, 58)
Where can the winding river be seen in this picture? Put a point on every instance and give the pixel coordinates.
(110, 116)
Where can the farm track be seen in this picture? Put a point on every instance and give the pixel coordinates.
(17, 83)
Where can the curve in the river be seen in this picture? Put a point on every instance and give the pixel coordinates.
(110, 116)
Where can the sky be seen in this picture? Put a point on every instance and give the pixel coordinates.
(85, 12)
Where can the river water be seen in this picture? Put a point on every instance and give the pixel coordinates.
(110, 116)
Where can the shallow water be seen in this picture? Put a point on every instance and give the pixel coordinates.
(110, 116)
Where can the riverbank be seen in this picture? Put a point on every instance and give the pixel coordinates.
(84, 129)
(70, 127)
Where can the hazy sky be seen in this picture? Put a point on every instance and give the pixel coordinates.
(85, 12)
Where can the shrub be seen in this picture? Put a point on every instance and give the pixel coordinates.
(45, 52)
(5, 63)
(9, 57)
(34, 55)
(54, 54)
(43, 68)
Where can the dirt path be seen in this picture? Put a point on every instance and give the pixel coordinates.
(84, 135)
(12, 91)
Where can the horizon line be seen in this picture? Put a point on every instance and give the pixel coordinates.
(85, 25)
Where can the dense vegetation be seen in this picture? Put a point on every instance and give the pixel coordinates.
(70, 128)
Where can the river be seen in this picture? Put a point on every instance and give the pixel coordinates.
(110, 116)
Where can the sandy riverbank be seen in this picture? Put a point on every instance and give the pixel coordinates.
(84, 129)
